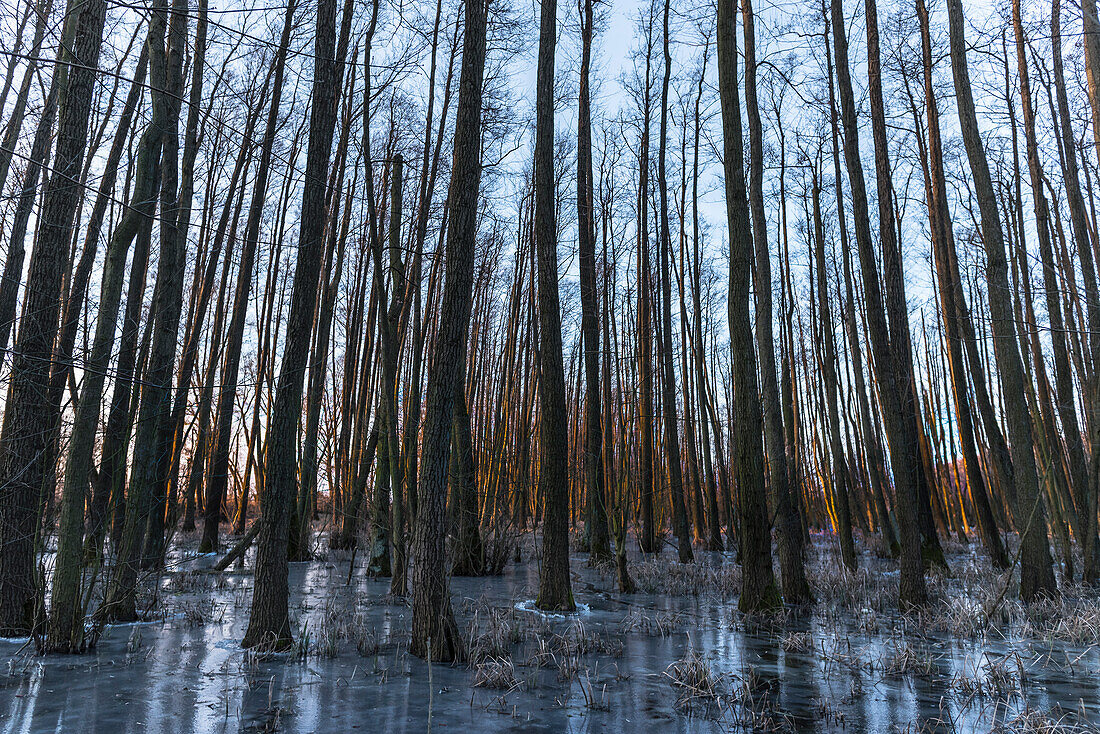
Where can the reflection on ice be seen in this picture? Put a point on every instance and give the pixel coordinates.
(621, 663)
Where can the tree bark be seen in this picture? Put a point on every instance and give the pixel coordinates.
(953, 307)
(894, 388)
(269, 624)
(796, 589)
(758, 592)
(435, 634)
(28, 419)
(554, 584)
(595, 524)
(1037, 573)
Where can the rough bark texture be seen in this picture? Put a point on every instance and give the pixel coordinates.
(758, 592)
(893, 390)
(269, 625)
(28, 418)
(555, 592)
(435, 635)
(796, 589)
(66, 631)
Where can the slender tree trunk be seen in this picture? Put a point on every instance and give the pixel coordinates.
(38, 159)
(554, 585)
(648, 540)
(66, 629)
(269, 625)
(153, 438)
(108, 497)
(435, 634)
(149, 458)
(12, 128)
(714, 539)
(758, 592)
(893, 378)
(668, 376)
(839, 475)
(1078, 217)
(952, 306)
(390, 345)
(218, 474)
(1037, 574)
(595, 524)
(792, 571)
(28, 419)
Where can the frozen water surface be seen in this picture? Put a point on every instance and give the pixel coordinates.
(652, 661)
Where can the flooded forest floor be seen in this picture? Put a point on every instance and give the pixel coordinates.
(676, 656)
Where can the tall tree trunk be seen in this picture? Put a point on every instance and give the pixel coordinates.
(595, 523)
(1078, 217)
(668, 376)
(108, 496)
(714, 534)
(839, 476)
(1037, 578)
(28, 419)
(269, 624)
(149, 458)
(644, 340)
(554, 584)
(792, 571)
(435, 634)
(218, 474)
(66, 629)
(894, 379)
(153, 438)
(391, 339)
(758, 592)
(953, 306)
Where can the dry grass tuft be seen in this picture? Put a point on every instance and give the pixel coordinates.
(491, 633)
(1034, 721)
(496, 673)
(665, 576)
(906, 659)
(697, 681)
(797, 642)
(655, 624)
(994, 678)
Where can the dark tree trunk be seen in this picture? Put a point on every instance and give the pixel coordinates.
(893, 388)
(839, 475)
(269, 625)
(435, 634)
(648, 538)
(953, 308)
(28, 419)
(758, 592)
(554, 585)
(595, 524)
(66, 631)
(1036, 571)
(796, 589)
(668, 375)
